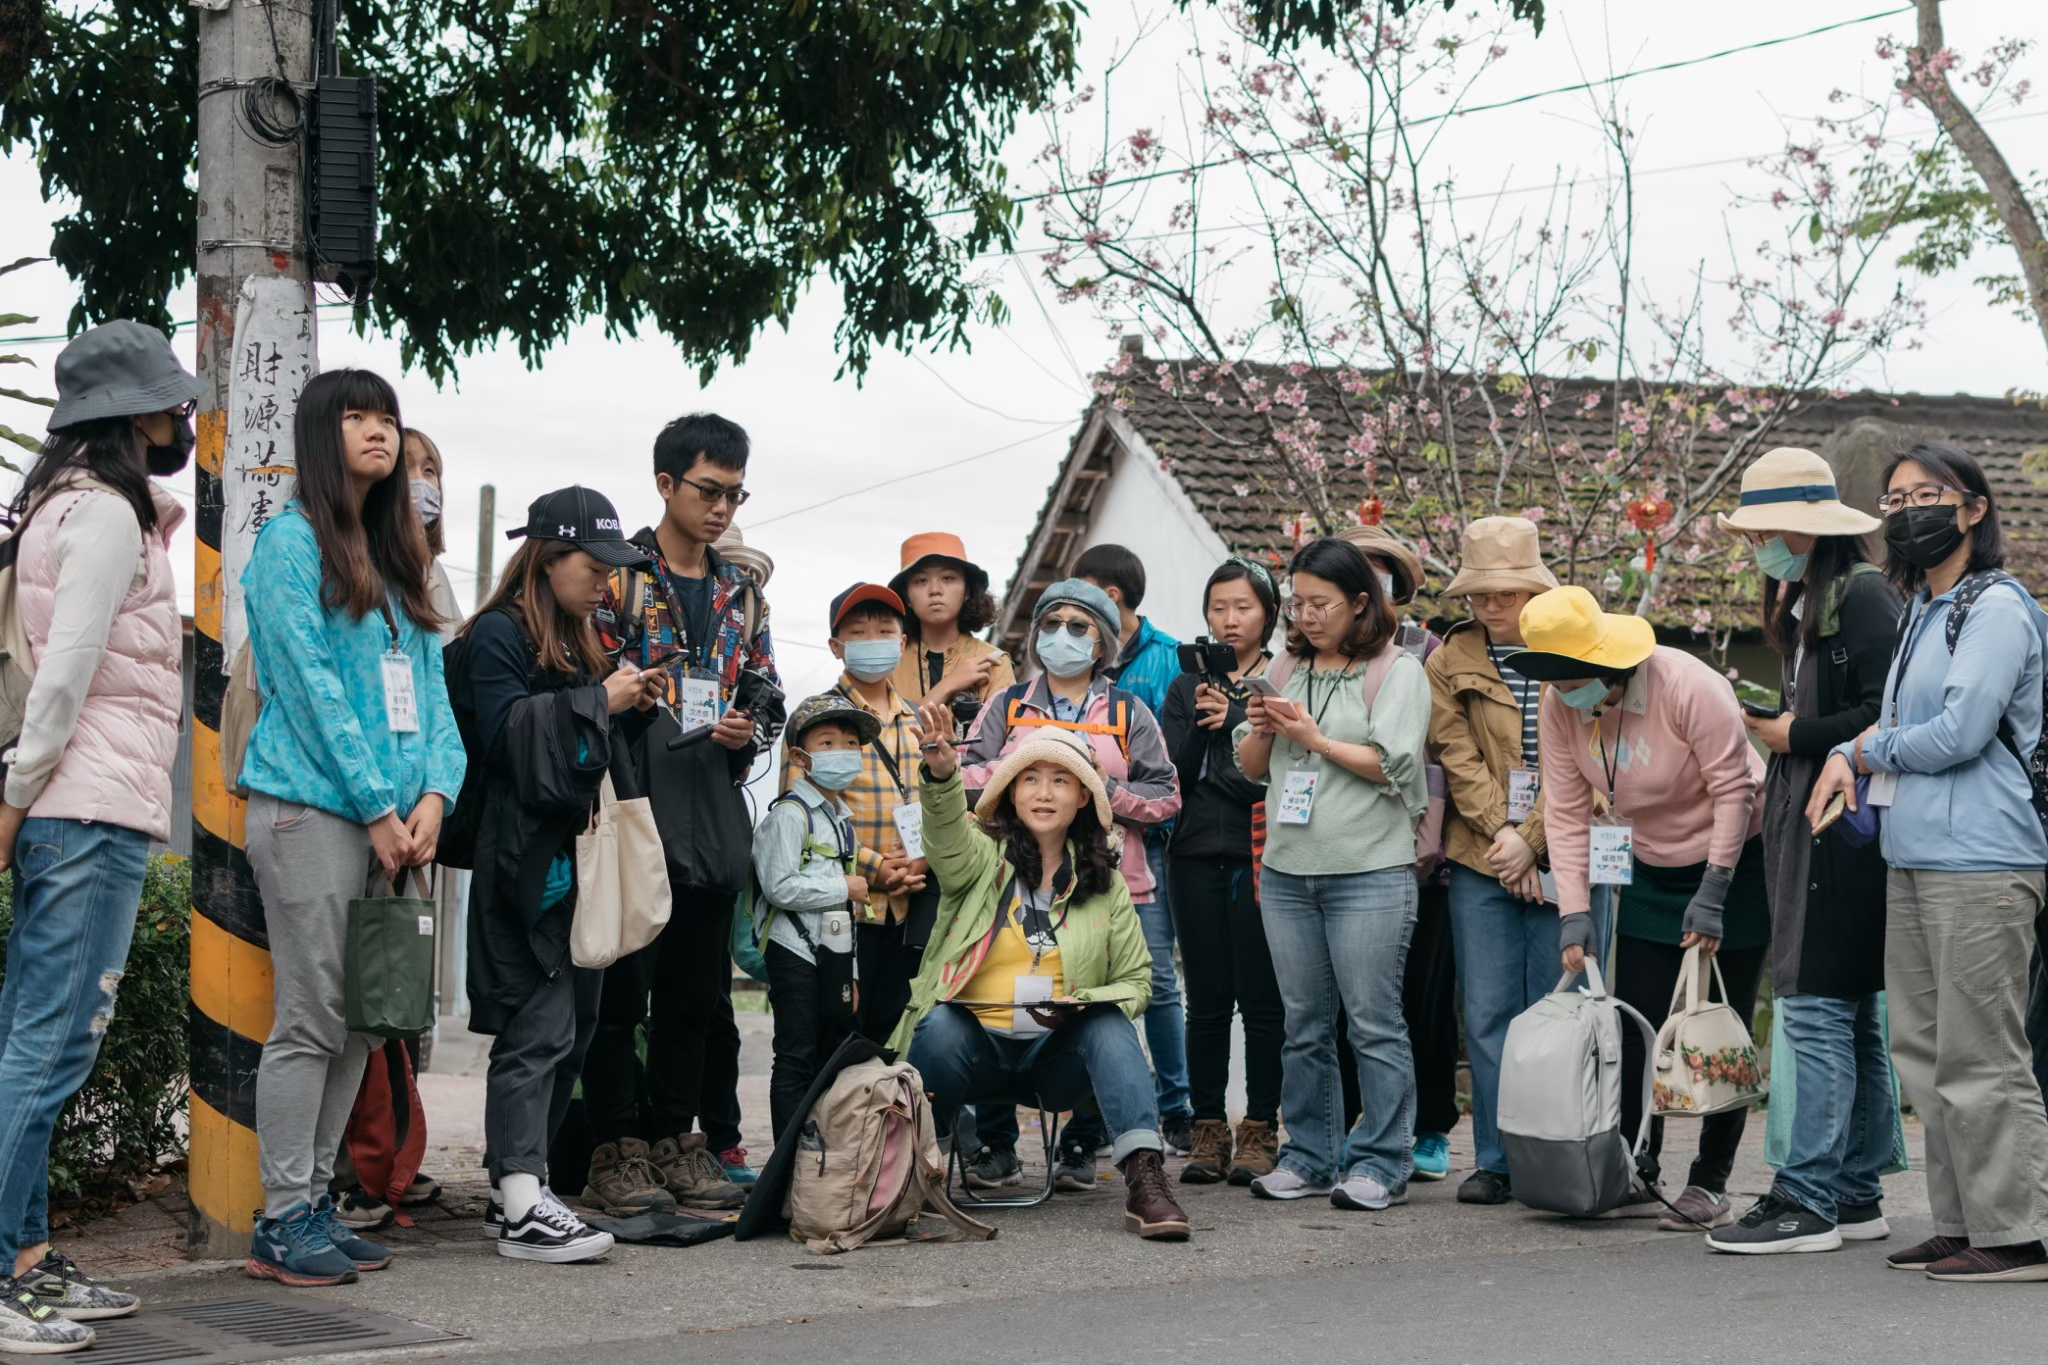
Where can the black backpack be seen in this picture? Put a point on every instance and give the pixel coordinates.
(1967, 592)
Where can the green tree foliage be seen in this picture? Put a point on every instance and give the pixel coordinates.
(1294, 21)
(7, 433)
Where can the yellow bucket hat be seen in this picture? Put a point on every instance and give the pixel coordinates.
(1568, 636)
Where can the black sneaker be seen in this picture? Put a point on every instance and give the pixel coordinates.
(1074, 1172)
(549, 1232)
(1178, 1130)
(1486, 1187)
(994, 1168)
(1774, 1224)
(1861, 1222)
(494, 1217)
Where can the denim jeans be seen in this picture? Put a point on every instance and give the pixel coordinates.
(1342, 942)
(77, 887)
(1508, 959)
(1096, 1053)
(1842, 1122)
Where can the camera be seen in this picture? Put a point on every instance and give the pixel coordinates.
(966, 706)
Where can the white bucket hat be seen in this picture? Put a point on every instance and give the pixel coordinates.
(1789, 489)
(1050, 745)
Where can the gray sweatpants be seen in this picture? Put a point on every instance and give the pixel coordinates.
(309, 865)
(535, 1061)
(1957, 947)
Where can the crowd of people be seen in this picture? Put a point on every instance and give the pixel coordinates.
(1373, 845)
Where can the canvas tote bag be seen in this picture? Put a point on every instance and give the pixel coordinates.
(1706, 1060)
(388, 960)
(622, 895)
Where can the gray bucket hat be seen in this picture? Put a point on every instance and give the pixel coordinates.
(119, 369)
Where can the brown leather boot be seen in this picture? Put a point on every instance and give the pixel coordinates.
(1149, 1208)
(1209, 1154)
(1258, 1151)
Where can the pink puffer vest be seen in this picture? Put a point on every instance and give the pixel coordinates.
(117, 767)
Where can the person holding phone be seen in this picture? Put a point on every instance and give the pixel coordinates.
(351, 768)
(1341, 752)
(1833, 620)
(1034, 924)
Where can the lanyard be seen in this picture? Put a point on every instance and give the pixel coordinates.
(1913, 634)
(890, 761)
(1610, 770)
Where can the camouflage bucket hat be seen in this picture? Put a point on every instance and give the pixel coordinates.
(830, 706)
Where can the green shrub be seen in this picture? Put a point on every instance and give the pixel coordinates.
(123, 1122)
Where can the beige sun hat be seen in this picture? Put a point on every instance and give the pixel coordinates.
(1500, 554)
(1789, 489)
(1377, 542)
(1049, 745)
(733, 546)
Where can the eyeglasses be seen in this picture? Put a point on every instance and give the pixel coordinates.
(718, 492)
(1920, 495)
(1080, 630)
(1295, 609)
(1489, 600)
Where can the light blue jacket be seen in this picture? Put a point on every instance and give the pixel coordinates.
(322, 739)
(1964, 803)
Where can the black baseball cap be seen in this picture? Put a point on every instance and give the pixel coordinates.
(586, 519)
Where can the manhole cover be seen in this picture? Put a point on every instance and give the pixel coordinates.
(229, 1331)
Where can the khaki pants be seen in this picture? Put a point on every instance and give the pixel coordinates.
(1957, 947)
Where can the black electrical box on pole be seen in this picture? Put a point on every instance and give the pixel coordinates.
(341, 183)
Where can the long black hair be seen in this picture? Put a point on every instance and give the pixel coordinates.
(1345, 565)
(1953, 467)
(1095, 860)
(107, 448)
(1831, 559)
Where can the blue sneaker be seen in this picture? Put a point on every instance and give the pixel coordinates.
(1432, 1156)
(293, 1250)
(366, 1254)
(734, 1162)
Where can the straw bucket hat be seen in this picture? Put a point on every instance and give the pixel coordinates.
(1500, 554)
(733, 546)
(1788, 489)
(1376, 542)
(1568, 636)
(1049, 745)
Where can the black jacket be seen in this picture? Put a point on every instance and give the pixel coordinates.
(1828, 898)
(1215, 819)
(539, 743)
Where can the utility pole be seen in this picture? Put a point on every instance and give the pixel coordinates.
(486, 541)
(255, 352)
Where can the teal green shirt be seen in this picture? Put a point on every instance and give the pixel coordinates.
(1355, 825)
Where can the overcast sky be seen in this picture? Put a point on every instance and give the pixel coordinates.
(822, 445)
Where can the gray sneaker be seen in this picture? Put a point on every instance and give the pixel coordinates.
(57, 1281)
(1281, 1183)
(994, 1168)
(1644, 1201)
(32, 1327)
(1364, 1192)
(1075, 1172)
(1698, 1210)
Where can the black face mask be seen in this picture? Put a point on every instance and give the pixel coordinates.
(164, 461)
(1923, 536)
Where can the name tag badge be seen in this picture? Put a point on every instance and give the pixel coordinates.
(401, 708)
(1298, 797)
(1884, 788)
(910, 829)
(1611, 852)
(1522, 787)
(697, 702)
(1029, 990)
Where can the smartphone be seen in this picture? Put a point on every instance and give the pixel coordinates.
(1832, 811)
(1262, 687)
(1763, 712)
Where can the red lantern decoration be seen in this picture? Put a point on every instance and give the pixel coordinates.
(1647, 514)
(1370, 512)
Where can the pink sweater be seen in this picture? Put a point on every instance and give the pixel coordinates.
(1685, 773)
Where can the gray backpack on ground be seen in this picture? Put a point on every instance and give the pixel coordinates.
(1560, 1100)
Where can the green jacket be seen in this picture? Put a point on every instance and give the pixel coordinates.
(1102, 946)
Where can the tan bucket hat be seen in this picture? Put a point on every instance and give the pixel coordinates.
(1500, 554)
(733, 546)
(1789, 489)
(1380, 543)
(1050, 745)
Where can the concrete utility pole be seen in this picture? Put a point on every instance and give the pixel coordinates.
(486, 541)
(251, 225)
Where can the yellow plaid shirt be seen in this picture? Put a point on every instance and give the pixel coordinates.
(874, 795)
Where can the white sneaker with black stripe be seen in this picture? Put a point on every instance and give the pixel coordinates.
(550, 1232)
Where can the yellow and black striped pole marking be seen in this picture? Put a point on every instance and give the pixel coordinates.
(231, 979)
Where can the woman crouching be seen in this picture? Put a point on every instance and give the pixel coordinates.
(1037, 963)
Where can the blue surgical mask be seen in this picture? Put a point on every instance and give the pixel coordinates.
(1776, 559)
(1585, 697)
(873, 660)
(1065, 654)
(834, 770)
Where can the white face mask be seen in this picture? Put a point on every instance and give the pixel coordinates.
(426, 499)
(1386, 584)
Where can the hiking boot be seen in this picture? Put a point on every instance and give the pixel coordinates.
(1862, 1222)
(1366, 1194)
(366, 1255)
(1432, 1156)
(57, 1281)
(1927, 1253)
(693, 1175)
(733, 1161)
(1486, 1187)
(550, 1232)
(1281, 1183)
(1178, 1132)
(1993, 1265)
(1074, 1172)
(623, 1182)
(361, 1211)
(30, 1326)
(1258, 1151)
(1776, 1224)
(1208, 1153)
(1697, 1210)
(295, 1251)
(993, 1168)
(1149, 1208)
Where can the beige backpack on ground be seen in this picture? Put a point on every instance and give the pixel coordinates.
(867, 1164)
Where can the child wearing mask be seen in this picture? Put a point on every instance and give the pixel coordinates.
(805, 853)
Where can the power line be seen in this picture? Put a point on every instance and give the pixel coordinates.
(753, 526)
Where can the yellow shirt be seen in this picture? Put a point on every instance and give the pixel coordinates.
(1009, 958)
